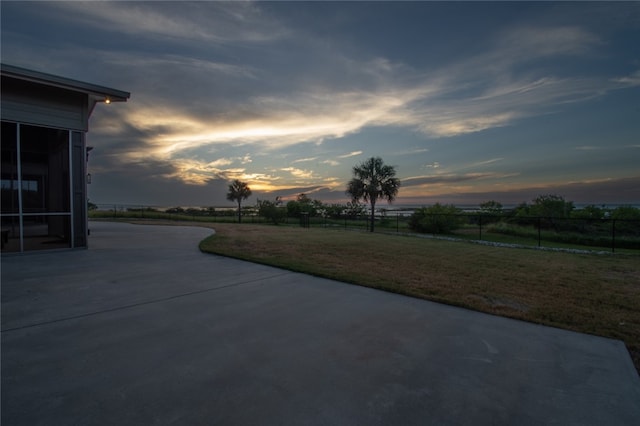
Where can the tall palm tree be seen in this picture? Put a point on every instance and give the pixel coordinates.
(373, 180)
(238, 191)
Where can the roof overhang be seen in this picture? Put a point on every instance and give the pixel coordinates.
(99, 93)
(94, 92)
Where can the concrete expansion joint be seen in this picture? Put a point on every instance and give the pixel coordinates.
(148, 302)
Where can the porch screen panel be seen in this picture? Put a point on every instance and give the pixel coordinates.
(46, 201)
(10, 188)
(79, 189)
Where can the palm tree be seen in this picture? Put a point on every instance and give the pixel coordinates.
(238, 191)
(373, 180)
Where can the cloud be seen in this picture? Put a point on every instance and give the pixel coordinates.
(484, 91)
(271, 123)
(291, 192)
(604, 148)
(155, 65)
(431, 105)
(434, 165)
(528, 42)
(449, 178)
(304, 160)
(486, 162)
(412, 151)
(299, 173)
(196, 172)
(237, 103)
(218, 22)
(448, 126)
(472, 95)
(193, 172)
(351, 154)
(502, 103)
(631, 80)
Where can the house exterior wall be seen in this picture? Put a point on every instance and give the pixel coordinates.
(44, 171)
(31, 103)
(66, 113)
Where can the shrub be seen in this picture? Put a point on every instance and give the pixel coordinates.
(626, 213)
(272, 211)
(437, 219)
(589, 212)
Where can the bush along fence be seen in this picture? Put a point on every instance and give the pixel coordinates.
(601, 234)
(605, 233)
(128, 211)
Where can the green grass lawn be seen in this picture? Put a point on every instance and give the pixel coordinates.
(590, 293)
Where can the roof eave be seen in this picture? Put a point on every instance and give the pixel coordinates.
(96, 92)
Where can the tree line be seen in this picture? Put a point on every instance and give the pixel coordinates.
(373, 181)
(548, 211)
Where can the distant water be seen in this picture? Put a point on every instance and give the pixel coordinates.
(395, 208)
(409, 208)
(472, 207)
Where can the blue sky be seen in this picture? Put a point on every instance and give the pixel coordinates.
(470, 101)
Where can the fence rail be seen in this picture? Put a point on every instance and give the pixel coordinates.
(586, 233)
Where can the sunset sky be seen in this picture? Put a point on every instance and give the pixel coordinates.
(471, 101)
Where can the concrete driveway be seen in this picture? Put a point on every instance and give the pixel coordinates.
(143, 329)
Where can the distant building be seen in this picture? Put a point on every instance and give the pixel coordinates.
(44, 173)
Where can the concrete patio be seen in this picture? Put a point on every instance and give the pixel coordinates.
(142, 328)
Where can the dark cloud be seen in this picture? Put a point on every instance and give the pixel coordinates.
(138, 188)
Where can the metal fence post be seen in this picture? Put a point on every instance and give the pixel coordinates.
(539, 233)
(613, 236)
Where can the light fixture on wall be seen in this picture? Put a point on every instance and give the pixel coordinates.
(107, 100)
(88, 178)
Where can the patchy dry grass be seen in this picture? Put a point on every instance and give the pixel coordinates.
(596, 294)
